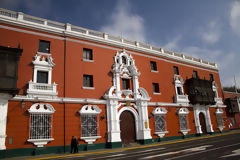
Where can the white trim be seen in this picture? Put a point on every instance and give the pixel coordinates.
(90, 109)
(87, 60)
(157, 93)
(90, 88)
(153, 71)
(154, 53)
(90, 140)
(40, 142)
(4, 97)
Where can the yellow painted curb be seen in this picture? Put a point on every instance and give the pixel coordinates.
(145, 146)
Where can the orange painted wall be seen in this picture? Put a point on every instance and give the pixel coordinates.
(18, 118)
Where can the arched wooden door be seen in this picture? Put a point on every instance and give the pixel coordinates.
(127, 127)
(203, 123)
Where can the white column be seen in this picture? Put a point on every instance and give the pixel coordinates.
(135, 86)
(117, 79)
(208, 120)
(113, 122)
(143, 123)
(196, 118)
(3, 118)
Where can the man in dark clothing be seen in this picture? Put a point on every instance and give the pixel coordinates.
(74, 145)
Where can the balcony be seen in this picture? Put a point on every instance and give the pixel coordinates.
(42, 90)
(182, 99)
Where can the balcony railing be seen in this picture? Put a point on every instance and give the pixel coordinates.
(42, 90)
(182, 99)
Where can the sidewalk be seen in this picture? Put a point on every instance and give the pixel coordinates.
(133, 146)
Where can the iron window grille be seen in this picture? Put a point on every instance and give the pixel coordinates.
(160, 122)
(89, 125)
(183, 122)
(40, 126)
(219, 120)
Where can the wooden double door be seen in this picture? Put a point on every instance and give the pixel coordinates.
(127, 127)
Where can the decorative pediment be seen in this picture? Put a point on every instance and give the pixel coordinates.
(41, 108)
(43, 60)
(178, 79)
(124, 64)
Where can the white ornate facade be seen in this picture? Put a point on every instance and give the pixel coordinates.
(134, 100)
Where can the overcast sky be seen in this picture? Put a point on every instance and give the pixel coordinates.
(207, 29)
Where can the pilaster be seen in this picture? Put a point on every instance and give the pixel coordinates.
(3, 118)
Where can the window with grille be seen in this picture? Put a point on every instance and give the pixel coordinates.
(219, 120)
(160, 122)
(183, 122)
(153, 66)
(40, 127)
(44, 46)
(87, 80)
(89, 125)
(87, 54)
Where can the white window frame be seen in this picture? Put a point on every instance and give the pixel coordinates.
(42, 62)
(39, 112)
(219, 117)
(91, 110)
(183, 112)
(86, 58)
(162, 112)
(180, 98)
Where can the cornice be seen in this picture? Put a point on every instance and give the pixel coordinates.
(67, 30)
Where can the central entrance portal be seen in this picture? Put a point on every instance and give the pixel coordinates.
(202, 123)
(127, 127)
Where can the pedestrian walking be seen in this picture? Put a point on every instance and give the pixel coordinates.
(74, 145)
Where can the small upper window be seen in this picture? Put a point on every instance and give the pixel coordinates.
(156, 88)
(195, 74)
(42, 77)
(179, 91)
(124, 60)
(87, 54)
(44, 46)
(87, 80)
(176, 71)
(211, 77)
(125, 84)
(153, 66)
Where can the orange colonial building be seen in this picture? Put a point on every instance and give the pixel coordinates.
(106, 90)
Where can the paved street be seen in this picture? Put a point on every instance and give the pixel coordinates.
(203, 148)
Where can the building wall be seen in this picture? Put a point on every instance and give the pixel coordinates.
(68, 53)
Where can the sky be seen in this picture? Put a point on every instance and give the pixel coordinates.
(207, 29)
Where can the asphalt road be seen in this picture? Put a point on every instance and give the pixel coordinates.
(206, 148)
